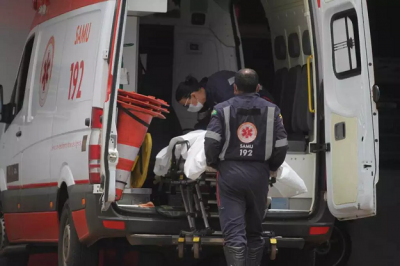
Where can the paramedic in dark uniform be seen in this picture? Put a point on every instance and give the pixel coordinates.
(245, 141)
(201, 97)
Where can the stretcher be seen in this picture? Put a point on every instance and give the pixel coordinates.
(195, 208)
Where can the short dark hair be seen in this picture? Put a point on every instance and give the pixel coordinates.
(186, 88)
(246, 80)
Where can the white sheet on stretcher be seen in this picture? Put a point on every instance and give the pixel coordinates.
(288, 183)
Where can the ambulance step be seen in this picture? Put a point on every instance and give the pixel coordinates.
(14, 249)
(168, 240)
(136, 209)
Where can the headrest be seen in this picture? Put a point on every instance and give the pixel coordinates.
(306, 43)
(294, 45)
(280, 48)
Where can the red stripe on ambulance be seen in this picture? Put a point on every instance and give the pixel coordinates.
(43, 185)
(32, 227)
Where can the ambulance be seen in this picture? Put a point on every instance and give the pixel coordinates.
(59, 152)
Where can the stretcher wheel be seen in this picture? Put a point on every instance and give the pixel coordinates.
(181, 250)
(274, 251)
(196, 250)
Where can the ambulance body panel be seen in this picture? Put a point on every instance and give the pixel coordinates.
(61, 140)
(50, 135)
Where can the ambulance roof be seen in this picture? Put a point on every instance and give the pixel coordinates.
(48, 9)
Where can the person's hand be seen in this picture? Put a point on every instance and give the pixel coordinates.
(211, 169)
(273, 174)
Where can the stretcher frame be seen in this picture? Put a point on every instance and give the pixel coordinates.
(194, 208)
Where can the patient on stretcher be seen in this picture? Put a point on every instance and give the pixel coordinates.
(193, 162)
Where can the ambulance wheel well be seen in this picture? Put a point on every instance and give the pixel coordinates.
(62, 198)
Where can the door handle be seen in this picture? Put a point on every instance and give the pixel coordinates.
(340, 131)
(376, 93)
(19, 134)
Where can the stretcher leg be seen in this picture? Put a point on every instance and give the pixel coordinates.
(189, 192)
(202, 208)
(181, 247)
(185, 204)
(274, 249)
(197, 205)
(196, 247)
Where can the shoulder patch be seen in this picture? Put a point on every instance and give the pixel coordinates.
(214, 112)
(231, 80)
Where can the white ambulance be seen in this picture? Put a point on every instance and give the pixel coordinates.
(58, 152)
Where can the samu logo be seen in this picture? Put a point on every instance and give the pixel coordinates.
(46, 71)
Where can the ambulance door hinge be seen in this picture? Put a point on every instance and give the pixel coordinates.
(97, 189)
(105, 54)
(316, 147)
(113, 157)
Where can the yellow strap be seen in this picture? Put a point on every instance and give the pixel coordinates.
(196, 239)
(273, 241)
(310, 107)
(181, 240)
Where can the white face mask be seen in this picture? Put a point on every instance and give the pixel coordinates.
(195, 108)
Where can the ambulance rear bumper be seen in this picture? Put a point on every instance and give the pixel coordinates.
(150, 228)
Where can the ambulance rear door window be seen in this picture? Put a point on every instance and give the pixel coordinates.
(346, 44)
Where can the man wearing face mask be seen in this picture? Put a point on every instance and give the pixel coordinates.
(201, 97)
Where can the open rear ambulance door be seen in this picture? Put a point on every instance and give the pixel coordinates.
(109, 150)
(351, 117)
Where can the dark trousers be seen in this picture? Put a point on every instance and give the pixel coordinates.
(242, 196)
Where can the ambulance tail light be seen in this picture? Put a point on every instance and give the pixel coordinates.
(97, 114)
(95, 147)
(94, 164)
(314, 231)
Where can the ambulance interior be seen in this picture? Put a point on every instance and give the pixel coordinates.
(201, 37)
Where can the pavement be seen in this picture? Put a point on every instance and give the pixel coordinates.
(376, 241)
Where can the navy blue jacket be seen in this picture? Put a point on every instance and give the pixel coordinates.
(223, 142)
